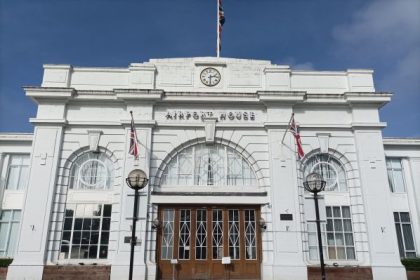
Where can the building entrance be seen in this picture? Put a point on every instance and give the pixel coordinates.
(193, 241)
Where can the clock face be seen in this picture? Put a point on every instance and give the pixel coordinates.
(210, 77)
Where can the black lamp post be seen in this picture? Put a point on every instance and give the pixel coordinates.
(315, 184)
(137, 179)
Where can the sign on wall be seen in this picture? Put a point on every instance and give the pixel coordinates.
(181, 115)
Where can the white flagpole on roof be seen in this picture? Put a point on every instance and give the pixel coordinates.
(218, 31)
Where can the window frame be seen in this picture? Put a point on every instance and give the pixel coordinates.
(69, 259)
(22, 158)
(334, 232)
(4, 252)
(105, 183)
(223, 174)
(391, 171)
(400, 233)
(318, 159)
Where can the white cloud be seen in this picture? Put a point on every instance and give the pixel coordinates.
(295, 65)
(382, 27)
(385, 35)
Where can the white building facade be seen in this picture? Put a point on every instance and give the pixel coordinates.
(223, 180)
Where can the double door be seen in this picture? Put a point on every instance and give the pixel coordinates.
(193, 241)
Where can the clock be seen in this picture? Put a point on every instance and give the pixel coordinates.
(210, 77)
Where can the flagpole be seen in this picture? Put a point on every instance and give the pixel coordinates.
(218, 31)
(287, 128)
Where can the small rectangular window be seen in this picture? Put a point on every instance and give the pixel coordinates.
(395, 175)
(9, 232)
(404, 235)
(17, 172)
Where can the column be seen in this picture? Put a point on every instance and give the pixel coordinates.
(32, 246)
(383, 247)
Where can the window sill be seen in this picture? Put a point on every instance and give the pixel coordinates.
(339, 263)
(82, 262)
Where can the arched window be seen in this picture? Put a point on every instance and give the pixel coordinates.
(331, 170)
(92, 171)
(205, 165)
(87, 220)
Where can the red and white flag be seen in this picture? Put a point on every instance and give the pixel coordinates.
(134, 143)
(295, 131)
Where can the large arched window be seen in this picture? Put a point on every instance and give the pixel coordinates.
(92, 171)
(205, 165)
(331, 170)
(87, 217)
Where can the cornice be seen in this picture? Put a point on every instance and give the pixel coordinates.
(378, 99)
(13, 137)
(53, 122)
(210, 97)
(139, 94)
(40, 94)
(281, 96)
(401, 141)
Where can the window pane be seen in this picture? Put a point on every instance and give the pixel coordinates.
(338, 225)
(336, 212)
(405, 217)
(13, 178)
(217, 234)
(234, 234)
(398, 181)
(167, 234)
(313, 253)
(312, 238)
(408, 237)
(184, 234)
(347, 225)
(396, 164)
(341, 253)
(400, 240)
(329, 214)
(250, 235)
(339, 239)
(107, 210)
(16, 215)
(346, 212)
(4, 228)
(349, 239)
(201, 235)
(24, 176)
(350, 253)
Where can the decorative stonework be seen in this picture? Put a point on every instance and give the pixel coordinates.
(210, 127)
(94, 137)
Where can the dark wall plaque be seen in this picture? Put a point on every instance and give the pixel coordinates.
(286, 217)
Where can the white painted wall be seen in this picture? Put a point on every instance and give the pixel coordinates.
(337, 111)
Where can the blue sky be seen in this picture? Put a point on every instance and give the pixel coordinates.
(383, 35)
